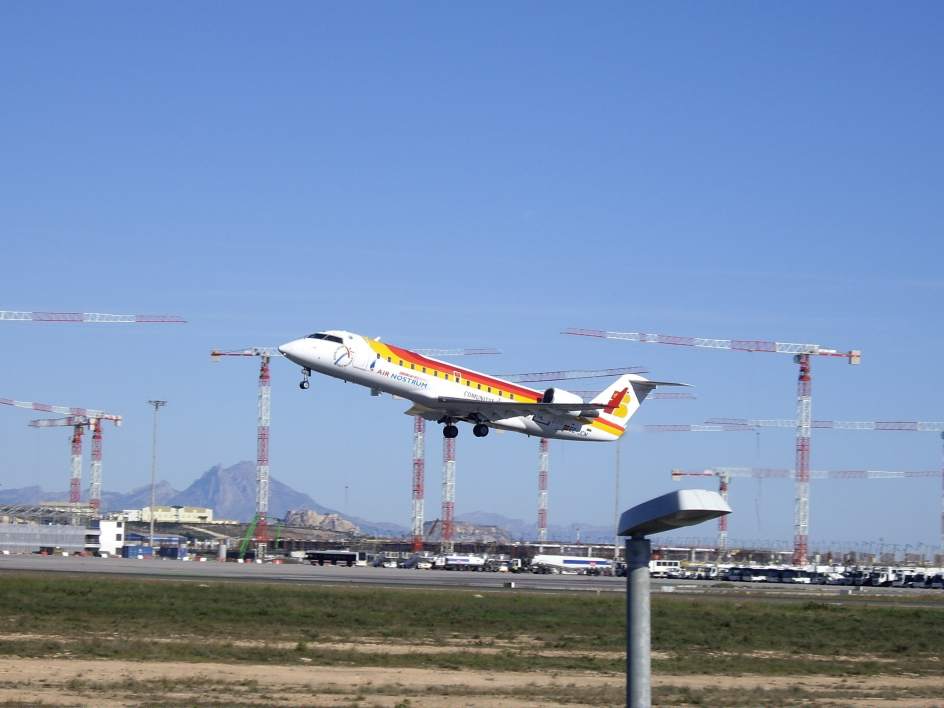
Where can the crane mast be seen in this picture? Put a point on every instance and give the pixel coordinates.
(263, 419)
(801, 354)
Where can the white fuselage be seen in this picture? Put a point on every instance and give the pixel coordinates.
(399, 372)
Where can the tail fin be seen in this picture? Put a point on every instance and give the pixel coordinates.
(624, 396)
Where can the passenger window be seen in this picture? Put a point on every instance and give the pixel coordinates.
(389, 359)
(401, 362)
(378, 356)
(412, 366)
(424, 369)
(489, 389)
(480, 387)
(511, 396)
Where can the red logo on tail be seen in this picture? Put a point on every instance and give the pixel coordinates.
(615, 400)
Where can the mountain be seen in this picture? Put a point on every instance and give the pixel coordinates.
(111, 501)
(138, 497)
(231, 493)
(30, 495)
(528, 531)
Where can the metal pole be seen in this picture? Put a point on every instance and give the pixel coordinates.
(616, 506)
(157, 406)
(638, 629)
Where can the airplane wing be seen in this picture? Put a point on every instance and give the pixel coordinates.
(466, 408)
(522, 408)
(484, 411)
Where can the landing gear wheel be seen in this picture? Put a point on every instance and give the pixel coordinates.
(480, 430)
(450, 431)
(304, 384)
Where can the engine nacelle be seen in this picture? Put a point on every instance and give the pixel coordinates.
(559, 395)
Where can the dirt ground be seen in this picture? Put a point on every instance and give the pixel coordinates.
(72, 682)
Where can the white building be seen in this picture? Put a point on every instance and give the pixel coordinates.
(111, 537)
(176, 514)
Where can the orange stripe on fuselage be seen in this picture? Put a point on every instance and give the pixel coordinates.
(448, 369)
(609, 426)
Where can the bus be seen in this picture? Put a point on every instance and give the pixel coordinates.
(348, 558)
(664, 568)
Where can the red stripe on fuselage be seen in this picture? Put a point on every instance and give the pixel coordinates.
(451, 369)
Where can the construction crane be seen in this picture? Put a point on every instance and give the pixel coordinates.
(469, 351)
(542, 489)
(571, 374)
(448, 496)
(77, 418)
(259, 525)
(654, 396)
(802, 354)
(88, 318)
(543, 443)
(418, 489)
(724, 475)
(419, 482)
(78, 423)
(914, 426)
(719, 425)
(917, 426)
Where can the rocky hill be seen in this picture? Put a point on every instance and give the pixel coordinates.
(520, 530)
(306, 518)
(229, 491)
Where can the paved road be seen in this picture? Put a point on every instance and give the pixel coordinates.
(395, 577)
(297, 573)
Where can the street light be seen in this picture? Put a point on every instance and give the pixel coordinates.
(674, 510)
(157, 406)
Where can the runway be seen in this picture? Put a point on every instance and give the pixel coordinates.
(467, 580)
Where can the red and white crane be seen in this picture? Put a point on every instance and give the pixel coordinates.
(914, 426)
(801, 356)
(88, 318)
(77, 418)
(449, 466)
(80, 417)
(719, 425)
(419, 482)
(543, 443)
(724, 475)
(261, 521)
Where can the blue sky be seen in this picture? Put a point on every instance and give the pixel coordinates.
(443, 175)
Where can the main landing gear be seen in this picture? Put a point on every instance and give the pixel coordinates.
(304, 384)
(450, 430)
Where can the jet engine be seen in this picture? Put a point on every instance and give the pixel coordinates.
(559, 395)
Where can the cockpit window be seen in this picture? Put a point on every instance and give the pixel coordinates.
(329, 337)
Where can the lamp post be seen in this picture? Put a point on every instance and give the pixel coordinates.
(670, 511)
(157, 406)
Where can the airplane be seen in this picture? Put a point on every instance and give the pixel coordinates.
(447, 393)
(570, 564)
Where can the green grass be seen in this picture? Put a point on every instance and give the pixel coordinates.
(108, 617)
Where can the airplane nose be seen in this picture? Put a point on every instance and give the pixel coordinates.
(289, 348)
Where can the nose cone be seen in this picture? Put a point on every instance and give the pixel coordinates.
(291, 349)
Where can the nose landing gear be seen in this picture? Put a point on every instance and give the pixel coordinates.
(304, 384)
